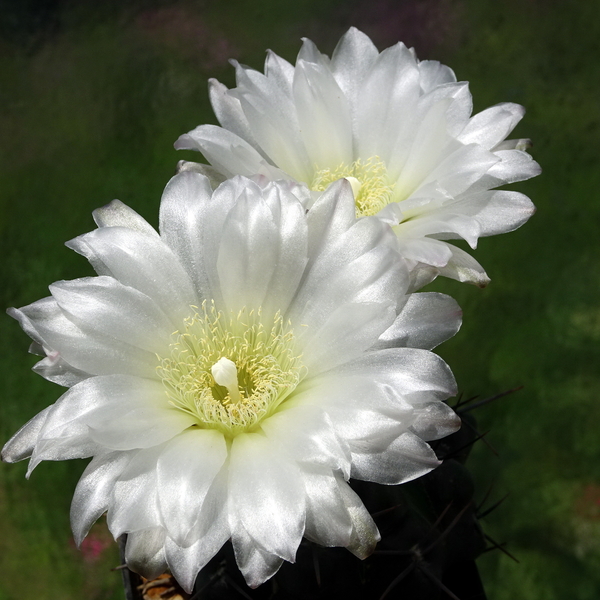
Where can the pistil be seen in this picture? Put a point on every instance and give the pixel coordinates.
(225, 373)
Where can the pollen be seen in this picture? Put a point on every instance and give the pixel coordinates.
(231, 370)
(370, 183)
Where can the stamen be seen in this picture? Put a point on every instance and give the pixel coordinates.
(369, 180)
(230, 371)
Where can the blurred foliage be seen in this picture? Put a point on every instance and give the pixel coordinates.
(93, 95)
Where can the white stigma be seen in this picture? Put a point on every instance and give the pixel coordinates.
(356, 185)
(225, 373)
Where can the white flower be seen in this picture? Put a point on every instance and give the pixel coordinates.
(230, 374)
(398, 128)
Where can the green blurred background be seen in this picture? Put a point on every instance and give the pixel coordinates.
(93, 94)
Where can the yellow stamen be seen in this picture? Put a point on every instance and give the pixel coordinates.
(369, 180)
(230, 371)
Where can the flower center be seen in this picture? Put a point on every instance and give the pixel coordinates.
(230, 371)
(370, 184)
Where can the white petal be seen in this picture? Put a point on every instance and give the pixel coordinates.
(464, 267)
(117, 214)
(79, 350)
(134, 413)
(212, 524)
(267, 495)
(434, 420)
(495, 211)
(92, 494)
(143, 262)
(458, 100)
(460, 108)
(323, 115)
(134, 504)
(442, 224)
(246, 260)
(404, 459)
(94, 353)
(21, 444)
(491, 126)
(119, 412)
(145, 552)
(515, 165)
(306, 434)
(272, 119)
(190, 224)
(461, 169)
(229, 112)
(214, 177)
(278, 140)
(186, 470)
(434, 73)
(66, 434)
(349, 330)
(365, 235)
(55, 369)
(227, 152)
(378, 276)
(186, 561)
(427, 149)
(407, 370)
(391, 214)
(208, 535)
(359, 408)
(390, 91)
(74, 446)
(327, 519)
(280, 71)
(365, 534)
(46, 308)
(331, 215)
(351, 61)
(516, 144)
(427, 320)
(289, 217)
(420, 276)
(105, 306)
(310, 53)
(423, 250)
(504, 211)
(256, 564)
